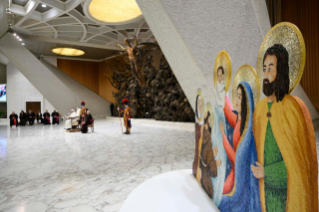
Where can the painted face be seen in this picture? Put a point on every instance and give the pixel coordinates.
(270, 73)
(220, 75)
(239, 100)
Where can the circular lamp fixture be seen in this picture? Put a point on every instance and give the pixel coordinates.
(114, 11)
(67, 51)
(43, 5)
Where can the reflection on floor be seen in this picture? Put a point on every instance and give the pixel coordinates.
(42, 168)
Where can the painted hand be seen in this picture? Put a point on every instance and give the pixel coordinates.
(218, 162)
(199, 175)
(258, 171)
(215, 151)
(221, 126)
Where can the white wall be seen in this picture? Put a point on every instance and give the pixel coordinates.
(52, 60)
(20, 91)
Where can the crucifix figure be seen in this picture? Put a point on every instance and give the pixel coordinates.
(131, 56)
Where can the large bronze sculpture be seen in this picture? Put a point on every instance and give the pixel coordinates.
(133, 61)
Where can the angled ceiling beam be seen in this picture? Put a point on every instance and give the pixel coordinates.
(59, 41)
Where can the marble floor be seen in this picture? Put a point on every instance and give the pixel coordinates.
(43, 168)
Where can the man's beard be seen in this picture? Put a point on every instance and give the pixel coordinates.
(269, 88)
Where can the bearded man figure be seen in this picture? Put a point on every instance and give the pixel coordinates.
(287, 166)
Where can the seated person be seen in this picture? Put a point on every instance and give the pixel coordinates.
(13, 119)
(30, 117)
(72, 120)
(89, 120)
(23, 118)
(78, 112)
(39, 117)
(55, 117)
(46, 117)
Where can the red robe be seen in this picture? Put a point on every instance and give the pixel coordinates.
(231, 151)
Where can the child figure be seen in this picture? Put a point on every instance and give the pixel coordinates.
(220, 97)
(217, 137)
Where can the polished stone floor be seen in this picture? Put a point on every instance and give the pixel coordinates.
(43, 168)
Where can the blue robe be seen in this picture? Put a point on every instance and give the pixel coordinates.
(246, 188)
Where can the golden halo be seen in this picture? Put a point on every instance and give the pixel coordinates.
(288, 35)
(199, 92)
(223, 60)
(248, 74)
(211, 119)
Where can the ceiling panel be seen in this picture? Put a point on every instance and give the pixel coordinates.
(44, 48)
(20, 2)
(42, 9)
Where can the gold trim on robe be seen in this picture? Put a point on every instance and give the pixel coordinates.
(295, 138)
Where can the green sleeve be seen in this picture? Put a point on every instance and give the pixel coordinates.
(276, 175)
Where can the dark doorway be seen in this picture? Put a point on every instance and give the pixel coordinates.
(34, 106)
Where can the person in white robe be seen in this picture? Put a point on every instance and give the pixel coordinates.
(72, 120)
(217, 137)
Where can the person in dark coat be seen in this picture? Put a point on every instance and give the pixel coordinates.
(39, 117)
(46, 117)
(89, 120)
(55, 117)
(112, 108)
(23, 118)
(31, 117)
(13, 119)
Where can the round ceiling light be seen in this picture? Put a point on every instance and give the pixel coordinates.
(114, 11)
(67, 51)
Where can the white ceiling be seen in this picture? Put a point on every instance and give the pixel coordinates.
(66, 23)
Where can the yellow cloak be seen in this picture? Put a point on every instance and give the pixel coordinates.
(127, 115)
(293, 130)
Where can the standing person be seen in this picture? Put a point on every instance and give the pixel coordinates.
(31, 117)
(208, 163)
(112, 108)
(55, 117)
(286, 166)
(127, 116)
(83, 113)
(198, 129)
(39, 116)
(23, 118)
(217, 135)
(13, 119)
(46, 117)
(241, 188)
(89, 120)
